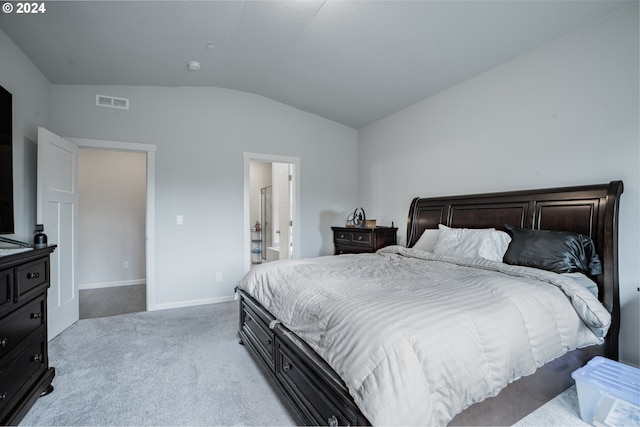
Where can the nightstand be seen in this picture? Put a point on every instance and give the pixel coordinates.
(353, 240)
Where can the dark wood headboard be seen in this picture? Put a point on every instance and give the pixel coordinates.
(591, 210)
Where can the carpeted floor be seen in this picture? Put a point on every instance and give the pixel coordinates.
(170, 367)
(178, 367)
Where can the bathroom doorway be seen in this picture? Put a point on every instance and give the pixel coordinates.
(271, 207)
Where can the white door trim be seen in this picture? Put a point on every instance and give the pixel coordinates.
(150, 150)
(261, 157)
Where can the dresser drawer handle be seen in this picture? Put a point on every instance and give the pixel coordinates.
(38, 358)
(3, 396)
(287, 366)
(36, 315)
(359, 237)
(267, 342)
(3, 342)
(342, 236)
(33, 275)
(333, 421)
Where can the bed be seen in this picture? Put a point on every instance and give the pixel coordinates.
(325, 388)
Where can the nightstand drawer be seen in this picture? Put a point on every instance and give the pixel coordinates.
(343, 236)
(361, 237)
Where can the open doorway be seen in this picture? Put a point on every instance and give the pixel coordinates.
(271, 211)
(111, 272)
(271, 208)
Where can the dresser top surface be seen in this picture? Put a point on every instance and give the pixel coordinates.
(11, 256)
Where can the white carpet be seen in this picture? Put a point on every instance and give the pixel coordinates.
(563, 410)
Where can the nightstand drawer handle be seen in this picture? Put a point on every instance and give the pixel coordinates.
(33, 275)
(36, 315)
(3, 342)
(342, 236)
(3, 396)
(287, 366)
(37, 358)
(333, 421)
(359, 237)
(267, 342)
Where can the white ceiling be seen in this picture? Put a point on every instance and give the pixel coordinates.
(350, 61)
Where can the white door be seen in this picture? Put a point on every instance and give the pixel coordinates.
(57, 210)
(284, 207)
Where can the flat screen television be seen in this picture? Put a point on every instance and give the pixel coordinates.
(6, 163)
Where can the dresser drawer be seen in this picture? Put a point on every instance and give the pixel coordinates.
(6, 289)
(31, 275)
(22, 371)
(259, 334)
(20, 324)
(302, 385)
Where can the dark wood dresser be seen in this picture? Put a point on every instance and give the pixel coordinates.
(25, 374)
(353, 240)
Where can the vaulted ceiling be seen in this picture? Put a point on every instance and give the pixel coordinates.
(349, 61)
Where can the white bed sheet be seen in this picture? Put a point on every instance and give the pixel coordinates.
(418, 337)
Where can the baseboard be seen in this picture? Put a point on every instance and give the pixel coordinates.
(191, 303)
(99, 285)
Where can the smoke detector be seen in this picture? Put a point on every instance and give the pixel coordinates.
(193, 65)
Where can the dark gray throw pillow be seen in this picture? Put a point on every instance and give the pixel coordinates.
(557, 251)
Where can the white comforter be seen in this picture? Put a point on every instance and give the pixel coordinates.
(419, 337)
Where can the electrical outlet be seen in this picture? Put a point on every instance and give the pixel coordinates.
(179, 219)
(219, 276)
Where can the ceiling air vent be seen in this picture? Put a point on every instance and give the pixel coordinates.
(113, 102)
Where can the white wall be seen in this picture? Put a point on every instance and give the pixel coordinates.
(111, 218)
(31, 108)
(201, 134)
(564, 114)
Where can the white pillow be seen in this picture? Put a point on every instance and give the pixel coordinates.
(487, 243)
(428, 240)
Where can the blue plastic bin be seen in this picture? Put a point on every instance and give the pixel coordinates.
(608, 393)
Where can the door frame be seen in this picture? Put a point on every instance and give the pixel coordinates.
(150, 244)
(272, 158)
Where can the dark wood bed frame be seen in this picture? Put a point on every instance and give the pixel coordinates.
(317, 395)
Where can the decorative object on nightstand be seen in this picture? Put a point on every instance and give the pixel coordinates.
(256, 244)
(357, 218)
(350, 240)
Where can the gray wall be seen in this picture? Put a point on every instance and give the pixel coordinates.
(111, 218)
(31, 108)
(201, 134)
(564, 114)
